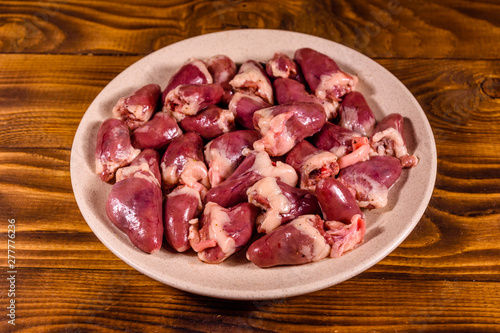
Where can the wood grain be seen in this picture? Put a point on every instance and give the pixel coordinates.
(36, 185)
(378, 28)
(56, 56)
(90, 300)
(36, 190)
(44, 97)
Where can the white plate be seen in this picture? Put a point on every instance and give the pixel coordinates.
(237, 278)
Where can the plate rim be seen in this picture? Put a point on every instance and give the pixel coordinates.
(277, 292)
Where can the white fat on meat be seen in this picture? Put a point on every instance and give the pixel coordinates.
(339, 151)
(276, 139)
(113, 166)
(220, 166)
(99, 168)
(331, 108)
(316, 161)
(345, 237)
(277, 203)
(277, 71)
(349, 119)
(193, 174)
(209, 157)
(169, 174)
(118, 106)
(224, 75)
(136, 110)
(264, 166)
(186, 190)
(195, 241)
(180, 107)
(319, 249)
(233, 104)
(249, 72)
(398, 149)
(265, 117)
(377, 193)
(128, 155)
(202, 68)
(225, 120)
(217, 219)
(327, 81)
(137, 171)
(123, 157)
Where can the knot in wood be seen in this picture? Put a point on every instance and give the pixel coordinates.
(491, 87)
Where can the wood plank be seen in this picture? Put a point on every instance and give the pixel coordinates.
(36, 191)
(37, 105)
(457, 105)
(451, 250)
(455, 239)
(445, 277)
(88, 300)
(36, 187)
(378, 28)
(43, 98)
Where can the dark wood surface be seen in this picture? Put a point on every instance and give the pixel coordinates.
(56, 56)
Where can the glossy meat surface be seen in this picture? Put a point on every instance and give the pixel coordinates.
(261, 163)
(288, 91)
(223, 231)
(189, 99)
(157, 133)
(280, 203)
(113, 149)
(281, 66)
(183, 163)
(312, 164)
(388, 140)
(297, 242)
(356, 114)
(323, 75)
(282, 126)
(182, 206)
(334, 138)
(225, 153)
(136, 109)
(244, 106)
(371, 180)
(223, 69)
(233, 191)
(318, 158)
(252, 80)
(209, 123)
(254, 167)
(134, 205)
(193, 72)
(336, 201)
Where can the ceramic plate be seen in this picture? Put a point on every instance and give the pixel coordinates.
(238, 278)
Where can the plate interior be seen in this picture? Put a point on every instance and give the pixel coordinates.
(238, 278)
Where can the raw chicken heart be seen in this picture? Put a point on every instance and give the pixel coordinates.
(134, 205)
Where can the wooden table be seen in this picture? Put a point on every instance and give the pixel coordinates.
(55, 58)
